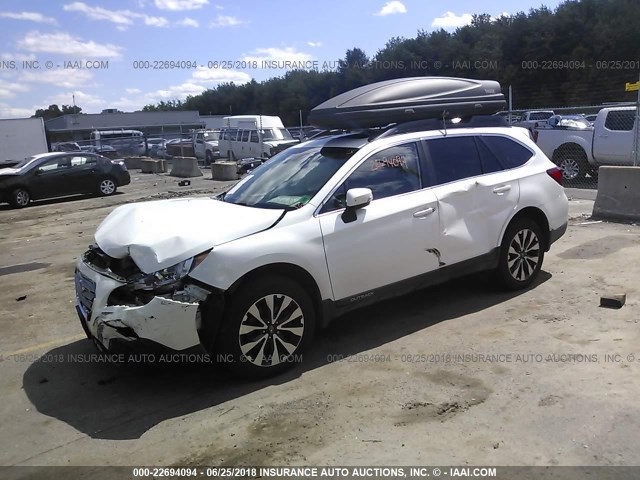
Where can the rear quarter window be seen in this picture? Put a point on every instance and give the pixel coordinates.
(508, 152)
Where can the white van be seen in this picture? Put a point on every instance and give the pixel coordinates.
(258, 136)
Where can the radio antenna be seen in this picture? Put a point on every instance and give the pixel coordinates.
(444, 122)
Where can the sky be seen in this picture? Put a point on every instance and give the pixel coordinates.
(125, 54)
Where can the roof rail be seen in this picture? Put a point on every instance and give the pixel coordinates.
(444, 124)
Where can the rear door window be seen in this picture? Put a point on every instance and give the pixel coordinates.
(82, 161)
(453, 158)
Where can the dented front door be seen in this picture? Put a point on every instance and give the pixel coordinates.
(391, 240)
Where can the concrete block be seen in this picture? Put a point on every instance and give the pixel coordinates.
(618, 194)
(224, 171)
(180, 150)
(185, 167)
(133, 163)
(153, 166)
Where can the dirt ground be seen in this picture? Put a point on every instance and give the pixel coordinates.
(459, 374)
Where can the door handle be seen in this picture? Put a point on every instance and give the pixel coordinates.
(502, 189)
(424, 213)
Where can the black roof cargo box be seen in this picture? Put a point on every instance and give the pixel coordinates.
(406, 99)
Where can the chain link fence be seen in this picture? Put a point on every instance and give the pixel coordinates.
(155, 142)
(581, 138)
(579, 143)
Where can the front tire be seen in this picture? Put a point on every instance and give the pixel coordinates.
(208, 160)
(267, 325)
(521, 254)
(107, 186)
(19, 198)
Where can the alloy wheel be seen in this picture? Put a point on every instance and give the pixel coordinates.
(523, 255)
(22, 198)
(570, 168)
(271, 330)
(107, 186)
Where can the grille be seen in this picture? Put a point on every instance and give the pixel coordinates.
(85, 291)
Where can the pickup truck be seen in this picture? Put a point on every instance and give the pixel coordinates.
(579, 152)
(530, 118)
(205, 145)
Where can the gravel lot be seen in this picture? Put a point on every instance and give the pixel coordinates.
(540, 383)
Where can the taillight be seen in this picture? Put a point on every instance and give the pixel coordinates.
(119, 162)
(556, 174)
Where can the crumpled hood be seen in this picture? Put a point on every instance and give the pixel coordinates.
(162, 233)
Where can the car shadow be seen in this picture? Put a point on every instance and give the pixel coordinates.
(112, 402)
(56, 200)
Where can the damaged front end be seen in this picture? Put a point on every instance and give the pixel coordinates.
(117, 302)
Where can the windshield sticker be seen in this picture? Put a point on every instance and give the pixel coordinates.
(290, 200)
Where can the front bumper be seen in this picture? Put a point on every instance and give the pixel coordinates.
(169, 323)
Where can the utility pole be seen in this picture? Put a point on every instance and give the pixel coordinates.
(510, 104)
(636, 140)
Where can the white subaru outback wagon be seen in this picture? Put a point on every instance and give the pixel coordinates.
(326, 226)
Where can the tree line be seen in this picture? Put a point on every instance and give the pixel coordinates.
(581, 53)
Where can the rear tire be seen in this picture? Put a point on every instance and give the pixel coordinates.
(521, 254)
(266, 326)
(19, 198)
(107, 186)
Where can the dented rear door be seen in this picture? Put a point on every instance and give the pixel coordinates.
(473, 203)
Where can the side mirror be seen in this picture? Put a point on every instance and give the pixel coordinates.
(38, 171)
(356, 198)
(359, 197)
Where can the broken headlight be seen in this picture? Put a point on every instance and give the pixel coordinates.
(167, 277)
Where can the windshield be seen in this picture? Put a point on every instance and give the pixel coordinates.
(569, 122)
(24, 163)
(288, 180)
(208, 136)
(540, 115)
(276, 134)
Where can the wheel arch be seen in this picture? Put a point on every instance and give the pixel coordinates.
(20, 186)
(289, 270)
(536, 215)
(569, 148)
